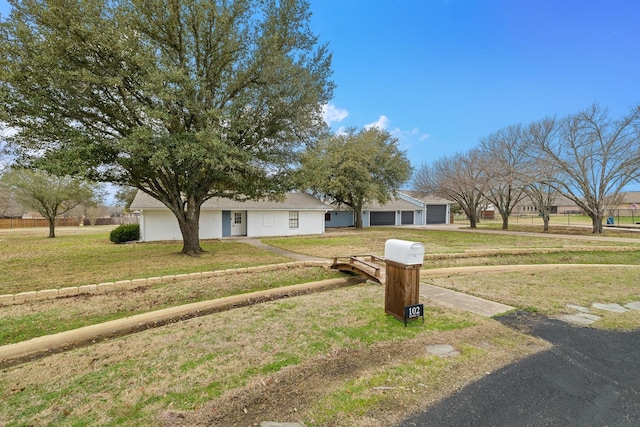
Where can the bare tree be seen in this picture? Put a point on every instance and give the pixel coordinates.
(596, 157)
(540, 174)
(458, 178)
(47, 194)
(503, 156)
(96, 211)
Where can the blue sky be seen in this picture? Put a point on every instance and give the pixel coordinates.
(441, 74)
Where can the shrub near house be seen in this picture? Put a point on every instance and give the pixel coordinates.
(125, 233)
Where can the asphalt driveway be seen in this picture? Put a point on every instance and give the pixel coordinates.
(590, 377)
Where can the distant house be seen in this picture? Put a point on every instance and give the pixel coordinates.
(297, 214)
(409, 208)
(629, 201)
(561, 205)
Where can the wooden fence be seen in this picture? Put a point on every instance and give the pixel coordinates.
(62, 222)
(34, 222)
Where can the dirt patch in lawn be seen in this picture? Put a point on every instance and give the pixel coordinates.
(412, 380)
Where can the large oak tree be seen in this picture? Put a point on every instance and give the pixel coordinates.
(185, 100)
(355, 168)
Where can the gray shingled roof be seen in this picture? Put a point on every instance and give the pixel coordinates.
(392, 205)
(292, 201)
(427, 198)
(631, 197)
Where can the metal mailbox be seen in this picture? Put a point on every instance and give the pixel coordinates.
(404, 252)
(403, 261)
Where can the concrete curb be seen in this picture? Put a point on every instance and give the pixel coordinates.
(42, 346)
(457, 271)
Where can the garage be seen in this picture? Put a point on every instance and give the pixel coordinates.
(383, 218)
(436, 214)
(407, 218)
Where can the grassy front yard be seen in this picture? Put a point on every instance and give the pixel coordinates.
(332, 358)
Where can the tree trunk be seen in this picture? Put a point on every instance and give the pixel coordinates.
(52, 227)
(472, 216)
(505, 222)
(358, 213)
(545, 219)
(596, 220)
(189, 224)
(473, 221)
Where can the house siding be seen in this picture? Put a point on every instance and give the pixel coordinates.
(162, 225)
(276, 223)
(341, 219)
(156, 225)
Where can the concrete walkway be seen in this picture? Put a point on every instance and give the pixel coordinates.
(293, 255)
(451, 298)
(462, 301)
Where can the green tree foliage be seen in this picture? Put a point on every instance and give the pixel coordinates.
(355, 168)
(185, 100)
(47, 194)
(124, 197)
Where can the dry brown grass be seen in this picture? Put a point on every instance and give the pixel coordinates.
(84, 255)
(316, 358)
(345, 242)
(43, 317)
(548, 289)
(285, 360)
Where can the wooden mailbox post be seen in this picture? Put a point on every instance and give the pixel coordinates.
(403, 260)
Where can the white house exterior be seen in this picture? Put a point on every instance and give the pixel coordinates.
(297, 214)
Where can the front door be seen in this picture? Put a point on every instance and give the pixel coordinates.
(238, 223)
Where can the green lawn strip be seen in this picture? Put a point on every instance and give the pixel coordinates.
(628, 321)
(360, 396)
(563, 228)
(48, 317)
(31, 263)
(621, 255)
(183, 365)
(549, 291)
(372, 241)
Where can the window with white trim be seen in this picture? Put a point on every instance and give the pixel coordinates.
(294, 219)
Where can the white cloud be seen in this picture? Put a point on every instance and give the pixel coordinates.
(332, 114)
(341, 131)
(381, 123)
(424, 137)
